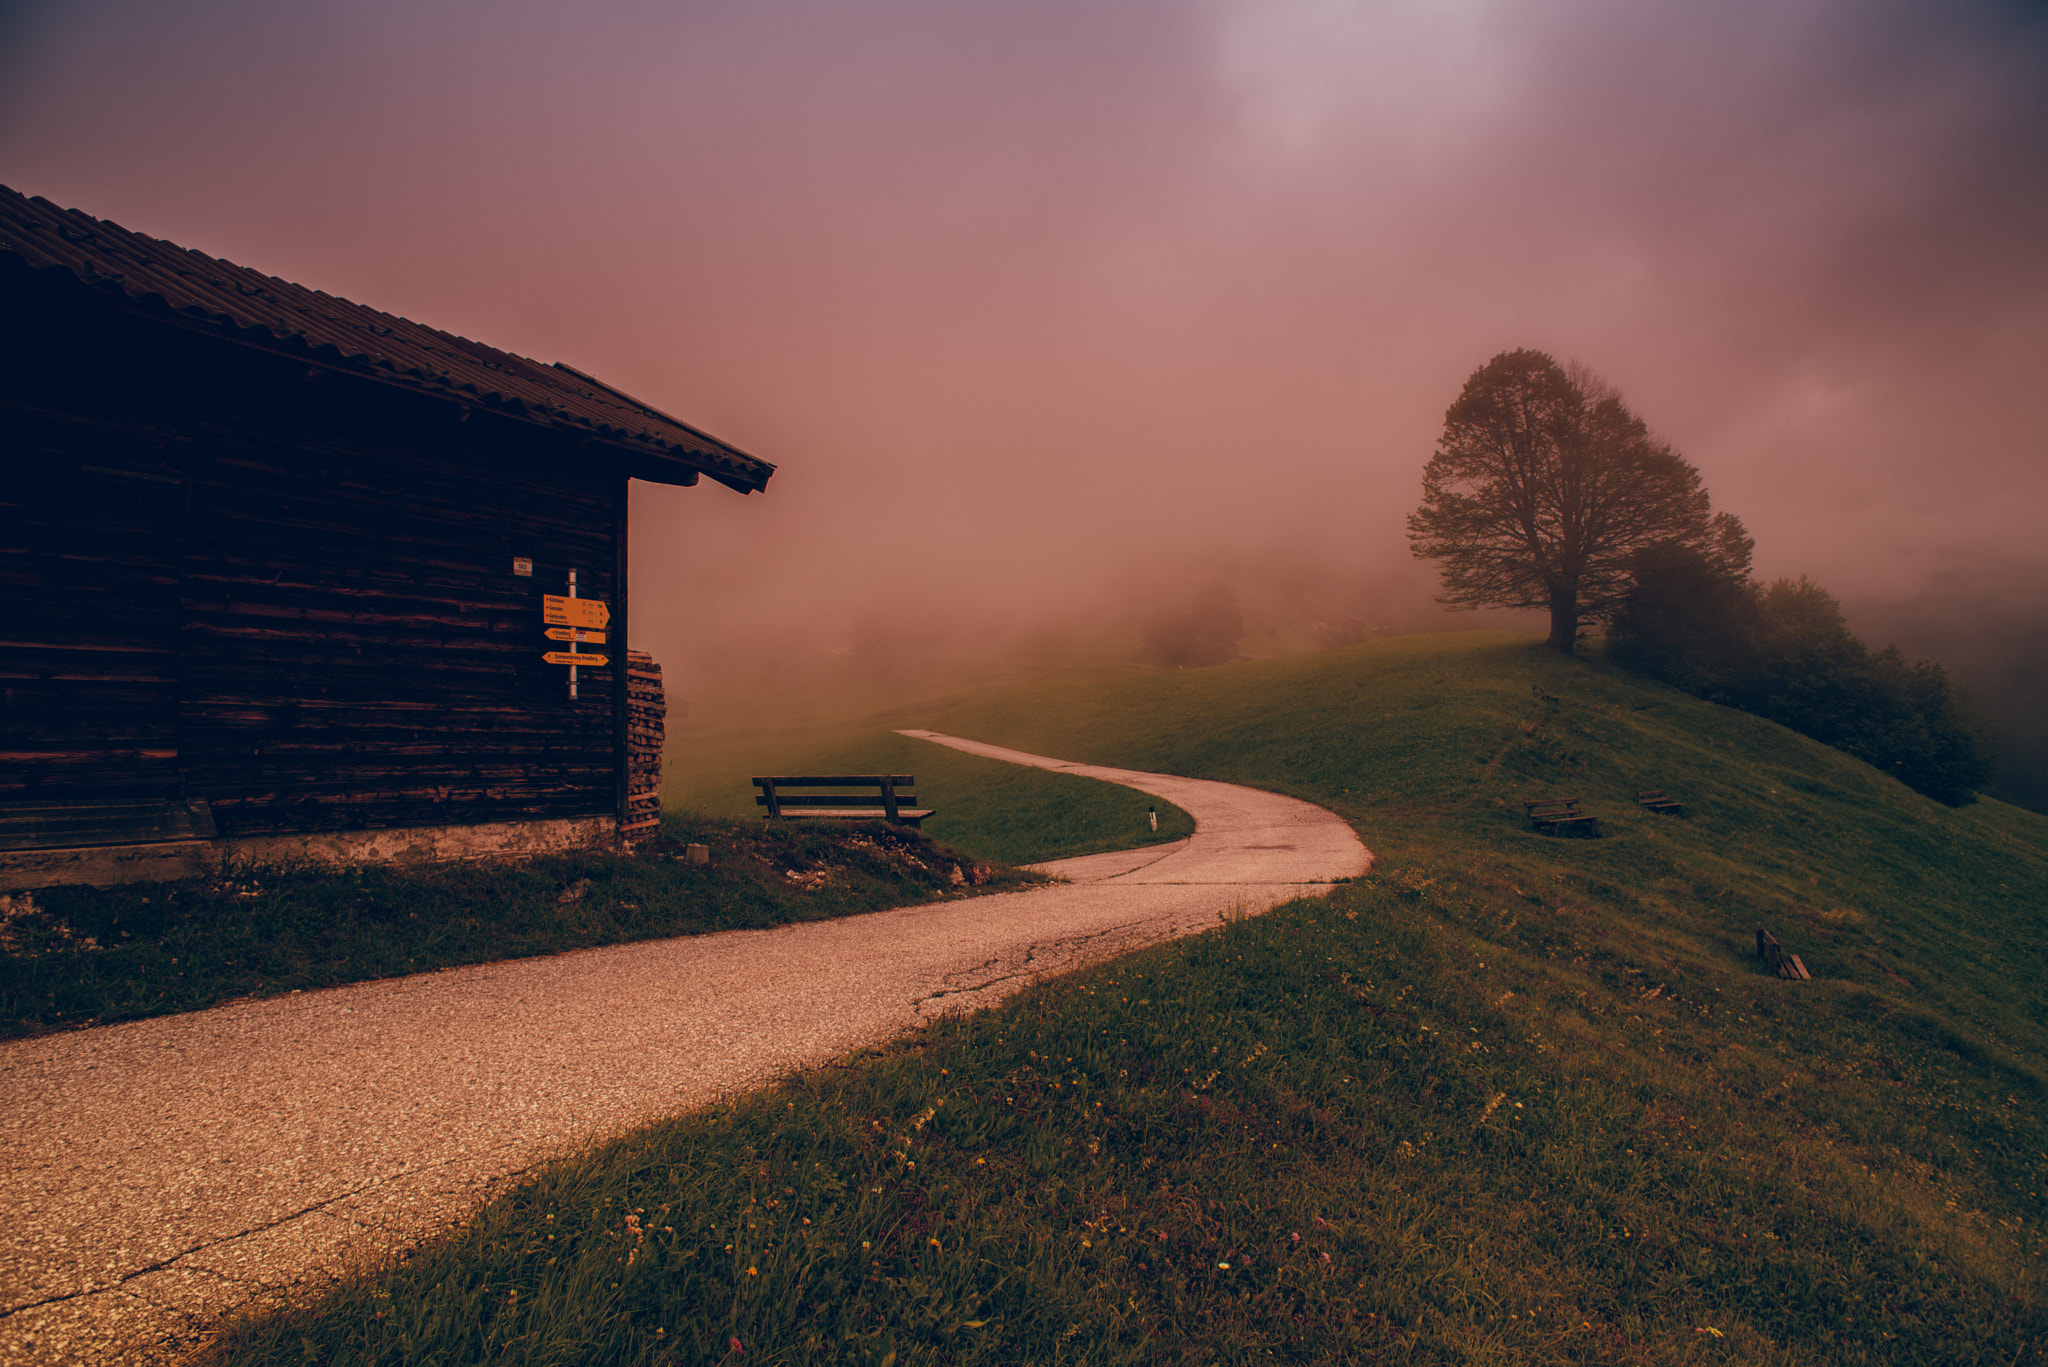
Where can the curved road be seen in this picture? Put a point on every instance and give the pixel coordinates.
(156, 1174)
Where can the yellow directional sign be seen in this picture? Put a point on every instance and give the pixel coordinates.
(558, 611)
(564, 657)
(593, 638)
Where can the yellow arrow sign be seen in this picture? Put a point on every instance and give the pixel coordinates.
(594, 638)
(565, 657)
(558, 611)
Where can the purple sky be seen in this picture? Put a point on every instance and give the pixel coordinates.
(1034, 297)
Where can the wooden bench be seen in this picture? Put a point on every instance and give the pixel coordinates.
(1777, 960)
(1560, 815)
(1660, 802)
(887, 797)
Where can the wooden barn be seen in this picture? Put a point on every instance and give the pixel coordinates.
(283, 574)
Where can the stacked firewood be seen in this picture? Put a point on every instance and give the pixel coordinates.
(645, 709)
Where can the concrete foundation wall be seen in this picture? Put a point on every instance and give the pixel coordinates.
(101, 865)
(171, 861)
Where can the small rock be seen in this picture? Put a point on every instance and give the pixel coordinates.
(574, 892)
(957, 878)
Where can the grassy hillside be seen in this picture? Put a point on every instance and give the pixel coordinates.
(1510, 1099)
(1428, 744)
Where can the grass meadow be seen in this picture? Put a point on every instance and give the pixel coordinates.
(1509, 1099)
(996, 811)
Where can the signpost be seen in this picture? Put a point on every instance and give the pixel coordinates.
(578, 621)
(572, 611)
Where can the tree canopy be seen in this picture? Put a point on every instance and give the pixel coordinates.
(1544, 490)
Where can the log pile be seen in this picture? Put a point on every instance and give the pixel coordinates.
(645, 710)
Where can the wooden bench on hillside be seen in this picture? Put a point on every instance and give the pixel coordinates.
(885, 797)
(1777, 960)
(1560, 816)
(1660, 802)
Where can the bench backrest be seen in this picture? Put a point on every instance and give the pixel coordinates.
(889, 791)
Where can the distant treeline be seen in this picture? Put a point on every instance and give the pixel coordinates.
(1785, 651)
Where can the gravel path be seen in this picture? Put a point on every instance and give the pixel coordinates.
(159, 1173)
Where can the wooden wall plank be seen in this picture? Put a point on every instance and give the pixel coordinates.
(294, 600)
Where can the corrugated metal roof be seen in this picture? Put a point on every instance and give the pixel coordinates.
(277, 314)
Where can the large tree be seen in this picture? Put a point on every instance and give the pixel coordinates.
(1544, 489)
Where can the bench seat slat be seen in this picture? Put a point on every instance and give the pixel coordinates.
(783, 799)
(857, 814)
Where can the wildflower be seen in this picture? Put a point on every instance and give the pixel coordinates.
(736, 1346)
(1224, 1266)
(752, 1273)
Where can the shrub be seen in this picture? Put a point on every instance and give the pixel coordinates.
(1786, 652)
(1207, 632)
(1688, 623)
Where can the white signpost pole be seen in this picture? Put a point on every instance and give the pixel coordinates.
(572, 668)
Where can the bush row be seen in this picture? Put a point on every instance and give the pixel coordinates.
(1785, 651)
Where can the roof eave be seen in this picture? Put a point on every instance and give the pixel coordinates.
(677, 468)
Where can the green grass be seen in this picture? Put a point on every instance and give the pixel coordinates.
(1510, 1099)
(77, 956)
(992, 810)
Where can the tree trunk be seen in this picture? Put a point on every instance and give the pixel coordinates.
(1564, 620)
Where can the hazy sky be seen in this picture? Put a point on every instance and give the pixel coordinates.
(1044, 297)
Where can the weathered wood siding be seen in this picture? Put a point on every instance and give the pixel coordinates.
(294, 597)
(91, 512)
